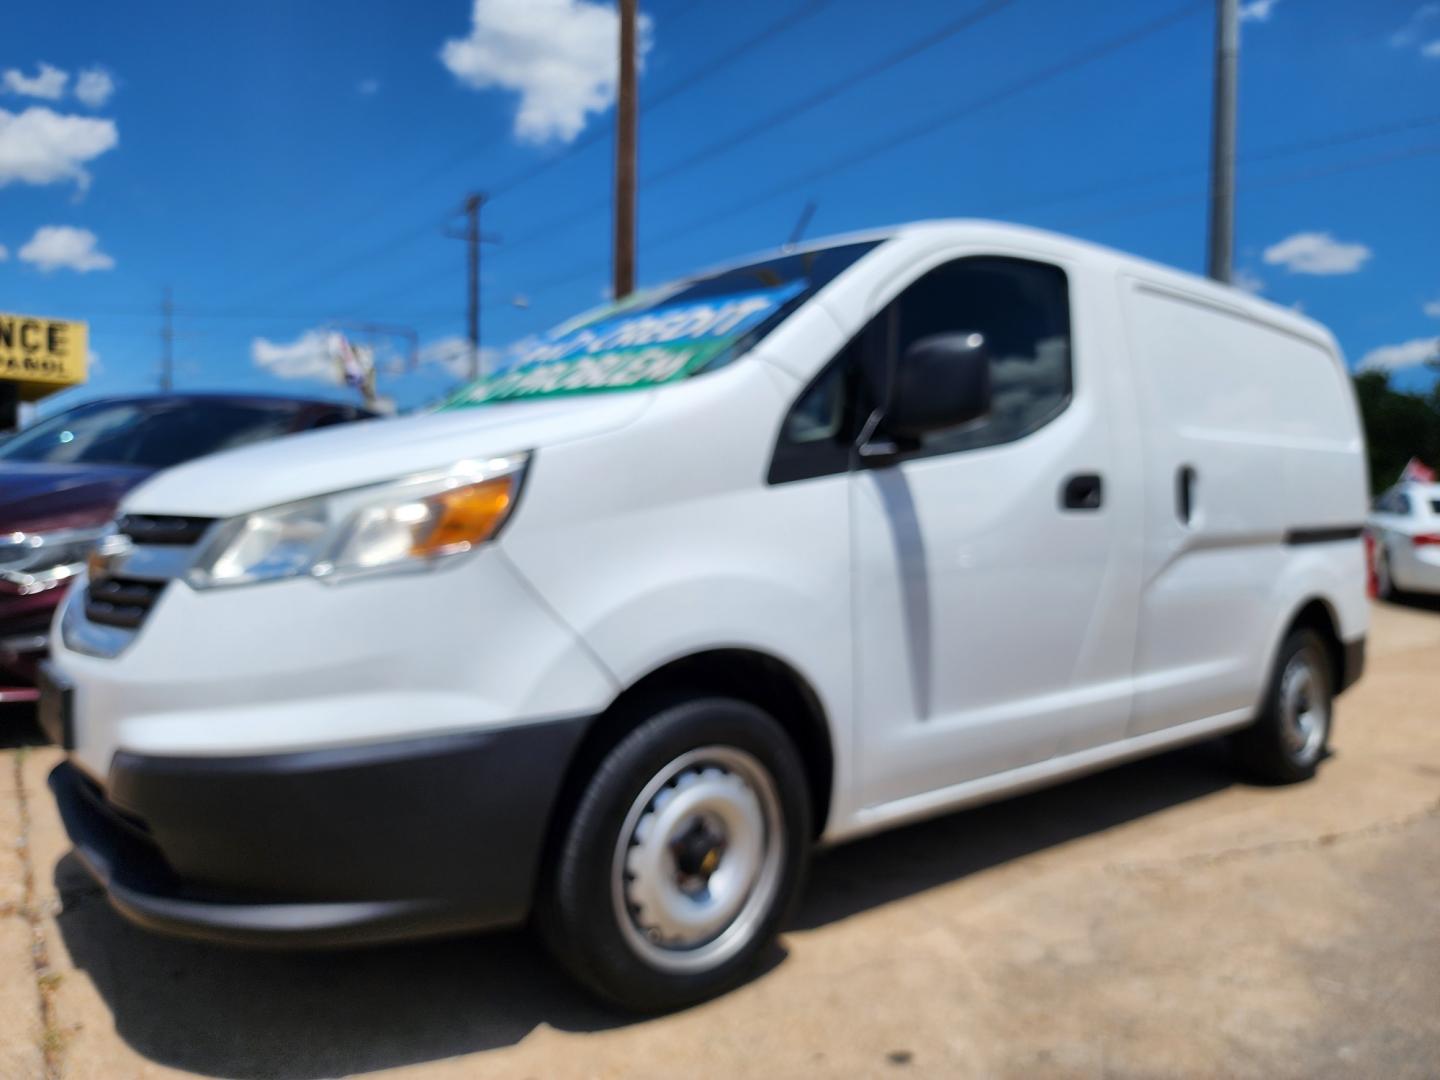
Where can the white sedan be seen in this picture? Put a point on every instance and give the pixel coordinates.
(1405, 525)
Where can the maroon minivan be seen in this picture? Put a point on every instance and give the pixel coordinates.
(61, 479)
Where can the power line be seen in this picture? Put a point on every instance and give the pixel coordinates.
(654, 101)
(597, 133)
(1288, 179)
(823, 96)
(1129, 181)
(765, 124)
(1285, 180)
(350, 262)
(912, 132)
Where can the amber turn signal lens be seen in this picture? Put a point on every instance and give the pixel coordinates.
(466, 516)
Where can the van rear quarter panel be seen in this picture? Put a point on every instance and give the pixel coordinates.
(1261, 408)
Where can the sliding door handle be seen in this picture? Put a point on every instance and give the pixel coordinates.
(1185, 494)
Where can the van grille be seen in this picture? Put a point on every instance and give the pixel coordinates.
(148, 529)
(121, 601)
(125, 595)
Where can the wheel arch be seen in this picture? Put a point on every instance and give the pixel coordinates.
(1318, 614)
(749, 675)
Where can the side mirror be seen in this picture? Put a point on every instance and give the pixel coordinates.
(943, 382)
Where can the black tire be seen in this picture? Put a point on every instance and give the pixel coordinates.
(1280, 748)
(1384, 577)
(585, 912)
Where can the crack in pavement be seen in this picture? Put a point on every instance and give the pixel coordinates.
(1158, 867)
(52, 1039)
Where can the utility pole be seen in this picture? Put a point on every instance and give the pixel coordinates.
(1221, 254)
(626, 107)
(167, 343)
(473, 238)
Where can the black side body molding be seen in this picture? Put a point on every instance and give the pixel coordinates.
(1327, 535)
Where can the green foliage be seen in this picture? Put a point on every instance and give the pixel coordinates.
(1398, 426)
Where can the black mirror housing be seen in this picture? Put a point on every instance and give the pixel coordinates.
(943, 381)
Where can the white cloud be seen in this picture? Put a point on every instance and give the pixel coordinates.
(312, 355)
(1431, 50)
(1405, 355)
(307, 357)
(367, 87)
(1416, 28)
(1433, 309)
(64, 247)
(1257, 10)
(49, 82)
(4, 253)
(93, 87)
(1247, 280)
(453, 354)
(40, 146)
(560, 56)
(1317, 253)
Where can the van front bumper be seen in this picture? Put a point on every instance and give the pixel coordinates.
(324, 847)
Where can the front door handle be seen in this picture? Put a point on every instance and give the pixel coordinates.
(1083, 491)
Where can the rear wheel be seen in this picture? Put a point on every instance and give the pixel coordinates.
(1289, 738)
(682, 857)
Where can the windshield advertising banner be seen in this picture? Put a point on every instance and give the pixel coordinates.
(626, 351)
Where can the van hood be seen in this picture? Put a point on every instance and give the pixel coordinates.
(334, 459)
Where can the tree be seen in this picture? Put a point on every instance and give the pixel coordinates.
(1398, 426)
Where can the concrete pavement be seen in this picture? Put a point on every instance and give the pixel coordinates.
(1162, 919)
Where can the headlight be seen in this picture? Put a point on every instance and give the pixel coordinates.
(36, 562)
(409, 524)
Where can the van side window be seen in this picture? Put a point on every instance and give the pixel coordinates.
(818, 434)
(1023, 310)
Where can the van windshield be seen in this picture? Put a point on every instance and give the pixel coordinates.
(665, 334)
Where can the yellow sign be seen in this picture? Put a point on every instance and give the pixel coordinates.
(42, 355)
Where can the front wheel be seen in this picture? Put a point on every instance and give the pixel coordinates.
(1289, 738)
(682, 857)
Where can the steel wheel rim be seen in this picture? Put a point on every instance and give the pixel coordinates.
(1304, 706)
(698, 861)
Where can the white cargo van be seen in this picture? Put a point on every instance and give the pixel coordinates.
(782, 554)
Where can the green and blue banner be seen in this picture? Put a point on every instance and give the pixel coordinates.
(631, 350)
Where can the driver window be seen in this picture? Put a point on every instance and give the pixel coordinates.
(1023, 310)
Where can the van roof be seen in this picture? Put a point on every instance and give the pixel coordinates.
(1058, 244)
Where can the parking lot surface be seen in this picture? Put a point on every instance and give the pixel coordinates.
(1160, 919)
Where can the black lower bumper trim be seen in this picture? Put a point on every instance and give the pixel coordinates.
(330, 847)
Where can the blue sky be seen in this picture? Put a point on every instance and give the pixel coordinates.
(281, 166)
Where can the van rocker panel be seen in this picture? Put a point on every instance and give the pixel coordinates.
(323, 847)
